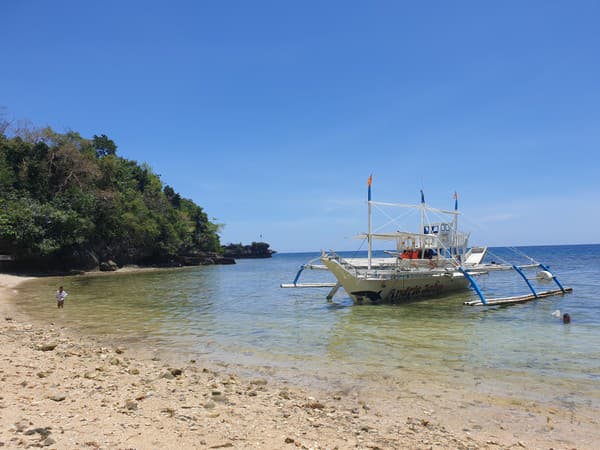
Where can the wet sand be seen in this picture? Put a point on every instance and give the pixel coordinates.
(64, 390)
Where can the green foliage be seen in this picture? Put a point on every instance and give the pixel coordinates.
(61, 193)
(254, 250)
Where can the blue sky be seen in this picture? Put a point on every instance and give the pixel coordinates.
(272, 115)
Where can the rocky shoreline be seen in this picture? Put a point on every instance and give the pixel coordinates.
(62, 390)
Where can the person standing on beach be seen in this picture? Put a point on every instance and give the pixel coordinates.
(60, 297)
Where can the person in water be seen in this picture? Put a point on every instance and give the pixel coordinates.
(60, 297)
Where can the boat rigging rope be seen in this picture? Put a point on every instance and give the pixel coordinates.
(501, 259)
(518, 252)
(359, 247)
(394, 220)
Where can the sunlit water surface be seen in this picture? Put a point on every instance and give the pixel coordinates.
(238, 315)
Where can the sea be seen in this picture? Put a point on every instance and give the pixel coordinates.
(238, 316)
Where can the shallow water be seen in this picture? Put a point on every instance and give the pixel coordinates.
(239, 315)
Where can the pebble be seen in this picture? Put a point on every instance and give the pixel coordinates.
(47, 347)
(48, 441)
(315, 405)
(58, 397)
(284, 394)
(43, 432)
(131, 405)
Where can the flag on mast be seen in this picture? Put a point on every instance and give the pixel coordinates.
(455, 201)
(369, 181)
(422, 196)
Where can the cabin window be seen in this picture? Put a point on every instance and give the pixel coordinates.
(426, 230)
(435, 229)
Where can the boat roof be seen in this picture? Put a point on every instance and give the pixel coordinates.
(397, 235)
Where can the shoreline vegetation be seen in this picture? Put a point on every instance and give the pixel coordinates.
(66, 390)
(70, 204)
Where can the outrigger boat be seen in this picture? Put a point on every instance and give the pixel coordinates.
(431, 262)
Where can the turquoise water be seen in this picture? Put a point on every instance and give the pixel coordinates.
(239, 315)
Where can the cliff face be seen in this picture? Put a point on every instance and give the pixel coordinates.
(254, 250)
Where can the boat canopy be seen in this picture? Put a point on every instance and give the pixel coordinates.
(399, 235)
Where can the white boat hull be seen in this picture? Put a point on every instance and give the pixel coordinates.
(381, 285)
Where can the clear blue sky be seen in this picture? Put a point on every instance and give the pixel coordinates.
(272, 115)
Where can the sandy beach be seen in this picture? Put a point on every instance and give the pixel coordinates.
(63, 390)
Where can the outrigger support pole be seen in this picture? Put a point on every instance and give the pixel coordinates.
(333, 292)
(473, 284)
(520, 272)
(298, 274)
(547, 269)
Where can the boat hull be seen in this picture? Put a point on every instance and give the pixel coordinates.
(381, 286)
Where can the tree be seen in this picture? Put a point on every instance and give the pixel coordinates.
(104, 146)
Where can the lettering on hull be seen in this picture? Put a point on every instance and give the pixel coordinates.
(399, 295)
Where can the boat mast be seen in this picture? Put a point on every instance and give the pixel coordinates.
(422, 230)
(369, 237)
(455, 226)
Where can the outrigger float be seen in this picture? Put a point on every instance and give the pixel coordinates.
(432, 262)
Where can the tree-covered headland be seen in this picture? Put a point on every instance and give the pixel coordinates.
(254, 250)
(69, 202)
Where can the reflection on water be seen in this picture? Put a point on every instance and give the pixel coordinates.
(238, 314)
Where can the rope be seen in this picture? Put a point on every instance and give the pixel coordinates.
(499, 257)
(518, 252)
(359, 247)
